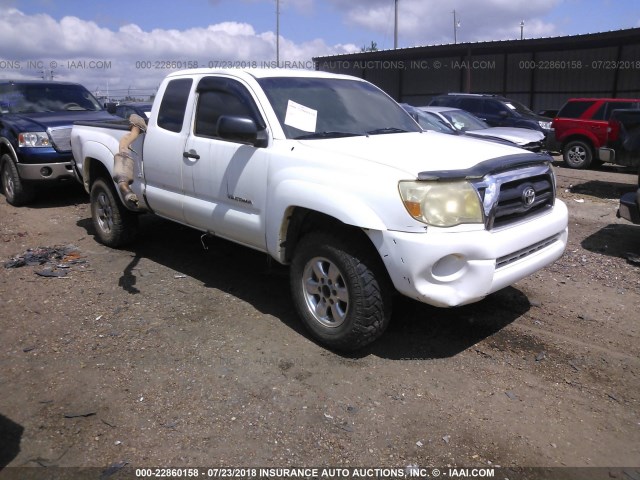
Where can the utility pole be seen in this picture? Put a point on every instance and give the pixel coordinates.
(521, 29)
(395, 29)
(456, 24)
(277, 33)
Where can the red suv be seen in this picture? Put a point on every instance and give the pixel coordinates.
(586, 132)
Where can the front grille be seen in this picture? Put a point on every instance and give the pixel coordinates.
(511, 205)
(513, 196)
(525, 252)
(61, 138)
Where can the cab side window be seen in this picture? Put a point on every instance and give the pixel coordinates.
(473, 105)
(174, 104)
(493, 107)
(222, 96)
(575, 109)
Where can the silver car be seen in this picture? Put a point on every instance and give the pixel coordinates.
(463, 121)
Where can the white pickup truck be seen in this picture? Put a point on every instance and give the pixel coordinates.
(329, 175)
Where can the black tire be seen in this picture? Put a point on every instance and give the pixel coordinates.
(114, 224)
(577, 154)
(342, 297)
(14, 189)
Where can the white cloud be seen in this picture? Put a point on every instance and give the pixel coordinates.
(428, 23)
(124, 52)
(136, 58)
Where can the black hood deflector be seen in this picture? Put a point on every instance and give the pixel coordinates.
(495, 165)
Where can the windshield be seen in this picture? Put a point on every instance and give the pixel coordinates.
(429, 121)
(33, 98)
(464, 121)
(332, 107)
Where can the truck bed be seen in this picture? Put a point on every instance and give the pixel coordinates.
(115, 124)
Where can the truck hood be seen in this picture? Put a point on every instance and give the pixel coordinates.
(41, 121)
(413, 153)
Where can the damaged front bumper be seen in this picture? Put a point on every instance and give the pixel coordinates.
(445, 268)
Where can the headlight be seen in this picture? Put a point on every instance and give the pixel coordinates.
(545, 125)
(33, 139)
(442, 204)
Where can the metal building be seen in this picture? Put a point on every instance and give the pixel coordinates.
(541, 73)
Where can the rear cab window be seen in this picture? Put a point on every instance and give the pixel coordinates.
(174, 104)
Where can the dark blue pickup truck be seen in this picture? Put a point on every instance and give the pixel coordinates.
(35, 128)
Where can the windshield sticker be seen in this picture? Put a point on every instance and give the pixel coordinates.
(301, 117)
(510, 106)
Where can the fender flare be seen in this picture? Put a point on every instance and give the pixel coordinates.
(12, 151)
(339, 204)
(574, 134)
(94, 152)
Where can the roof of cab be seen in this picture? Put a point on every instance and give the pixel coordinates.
(262, 73)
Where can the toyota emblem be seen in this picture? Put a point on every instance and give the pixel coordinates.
(528, 196)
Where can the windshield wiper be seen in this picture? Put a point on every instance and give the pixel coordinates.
(308, 136)
(378, 131)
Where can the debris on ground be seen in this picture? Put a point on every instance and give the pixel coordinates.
(511, 395)
(57, 260)
(81, 413)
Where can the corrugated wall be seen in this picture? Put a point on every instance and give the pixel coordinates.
(540, 73)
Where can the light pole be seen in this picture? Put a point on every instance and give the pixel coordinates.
(395, 27)
(277, 33)
(456, 25)
(521, 29)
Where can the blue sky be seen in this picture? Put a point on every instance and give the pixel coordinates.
(124, 33)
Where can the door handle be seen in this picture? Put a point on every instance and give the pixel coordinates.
(191, 154)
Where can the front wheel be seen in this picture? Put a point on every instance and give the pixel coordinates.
(343, 297)
(114, 224)
(577, 154)
(15, 191)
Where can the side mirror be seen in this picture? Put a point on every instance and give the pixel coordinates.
(111, 107)
(240, 129)
(503, 114)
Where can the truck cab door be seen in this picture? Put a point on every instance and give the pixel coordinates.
(496, 114)
(225, 180)
(164, 148)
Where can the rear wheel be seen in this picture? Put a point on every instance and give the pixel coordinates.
(577, 154)
(114, 224)
(343, 297)
(15, 191)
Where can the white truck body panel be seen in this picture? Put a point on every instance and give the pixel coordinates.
(245, 193)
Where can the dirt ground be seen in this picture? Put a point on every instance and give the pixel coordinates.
(169, 354)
